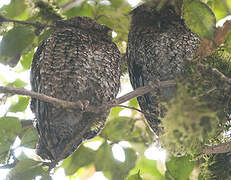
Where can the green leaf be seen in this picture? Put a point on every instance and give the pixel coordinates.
(228, 4)
(83, 156)
(84, 9)
(26, 60)
(114, 113)
(180, 168)
(148, 167)
(18, 83)
(29, 138)
(116, 3)
(117, 19)
(134, 177)
(104, 152)
(62, 1)
(121, 128)
(10, 127)
(14, 42)
(17, 9)
(220, 8)
(199, 18)
(21, 105)
(133, 103)
(28, 169)
(104, 161)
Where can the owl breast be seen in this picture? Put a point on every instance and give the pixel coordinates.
(157, 51)
(77, 62)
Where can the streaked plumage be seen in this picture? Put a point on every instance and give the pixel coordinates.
(78, 61)
(158, 44)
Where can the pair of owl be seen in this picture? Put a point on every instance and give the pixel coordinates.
(79, 61)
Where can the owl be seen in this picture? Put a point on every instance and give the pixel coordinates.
(158, 45)
(78, 61)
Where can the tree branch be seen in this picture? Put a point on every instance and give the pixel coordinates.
(220, 148)
(36, 25)
(83, 104)
(26, 123)
(42, 97)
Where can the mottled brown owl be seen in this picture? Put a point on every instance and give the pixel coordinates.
(78, 61)
(158, 45)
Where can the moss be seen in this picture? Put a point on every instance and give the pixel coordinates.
(199, 112)
(188, 124)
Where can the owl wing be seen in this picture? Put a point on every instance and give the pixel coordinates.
(38, 107)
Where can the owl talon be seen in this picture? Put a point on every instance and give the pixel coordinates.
(155, 84)
(85, 104)
(82, 105)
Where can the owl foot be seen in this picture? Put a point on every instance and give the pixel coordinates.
(83, 104)
(155, 85)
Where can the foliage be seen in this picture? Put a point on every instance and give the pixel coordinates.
(194, 117)
(179, 168)
(10, 128)
(147, 168)
(193, 13)
(28, 169)
(134, 177)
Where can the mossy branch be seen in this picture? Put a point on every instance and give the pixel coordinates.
(216, 149)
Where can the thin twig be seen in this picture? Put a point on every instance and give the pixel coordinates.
(220, 148)
(133, 108)
(128, 107)
(204, 94)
